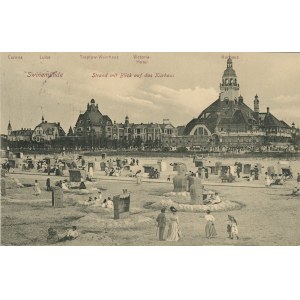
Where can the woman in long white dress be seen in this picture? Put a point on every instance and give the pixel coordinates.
(36, 189)
(210, 230)
(174, 233)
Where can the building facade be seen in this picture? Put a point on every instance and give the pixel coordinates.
(229, 122)
(46, 132)
(93, 122)
(23, 134)
(97, 130)
(143, 133)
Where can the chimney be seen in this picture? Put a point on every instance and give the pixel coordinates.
(268, 110)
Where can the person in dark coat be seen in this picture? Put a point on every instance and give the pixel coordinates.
(8, 166)
(161, 223)
(48, 169)
(48, 184)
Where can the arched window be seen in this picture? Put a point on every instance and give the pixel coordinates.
(200, 130)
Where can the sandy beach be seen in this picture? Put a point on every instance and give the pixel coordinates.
(267, 216)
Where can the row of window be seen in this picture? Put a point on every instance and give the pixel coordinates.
(136, 131)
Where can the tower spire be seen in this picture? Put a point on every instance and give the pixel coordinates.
(9, 126)
(256, 104)
(229, 87)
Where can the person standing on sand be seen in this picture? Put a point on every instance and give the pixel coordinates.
(229, 223)
(298, 179)
(36, 188)
(161, 223)
(174, 233)
(232, 228)
(210, 230)
(268, 180)
(48, 184)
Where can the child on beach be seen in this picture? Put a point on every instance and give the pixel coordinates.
(232, 228)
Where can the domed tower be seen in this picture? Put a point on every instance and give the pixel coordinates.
(256, 104)
(229, 88)
(9, 128)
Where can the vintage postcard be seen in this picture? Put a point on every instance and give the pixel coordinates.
(150, 149)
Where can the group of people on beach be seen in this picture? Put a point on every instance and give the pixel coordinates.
(97, 201)
(174, 231)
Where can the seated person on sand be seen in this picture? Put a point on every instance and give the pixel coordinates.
(82, 185)
(278, 180)
(130, 174)
(209, 198)
(52, 237)
(116, 173)
(89, 177)
(106, 171)
(212, 199)
(296, 191)
(104, 203)
(251, 177)
(71, 234)
(281, 179)
(98, 200)
(216, 199)
(64, 186)
(109, 203)
(88, 202)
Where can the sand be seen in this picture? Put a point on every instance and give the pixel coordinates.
(265, 216)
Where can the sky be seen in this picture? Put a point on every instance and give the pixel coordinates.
(193, 85)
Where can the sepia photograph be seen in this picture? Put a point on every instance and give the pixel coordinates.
(150, 149)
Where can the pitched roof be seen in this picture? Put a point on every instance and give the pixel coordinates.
(221, 113)
(27, 132)
(46, 126)
(269, 120)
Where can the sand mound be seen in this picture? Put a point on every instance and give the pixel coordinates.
(12, 183)
(177, 194)
(94, 222)
(223, 206)
(91, 239)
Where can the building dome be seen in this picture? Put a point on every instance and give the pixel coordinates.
(229, 72)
